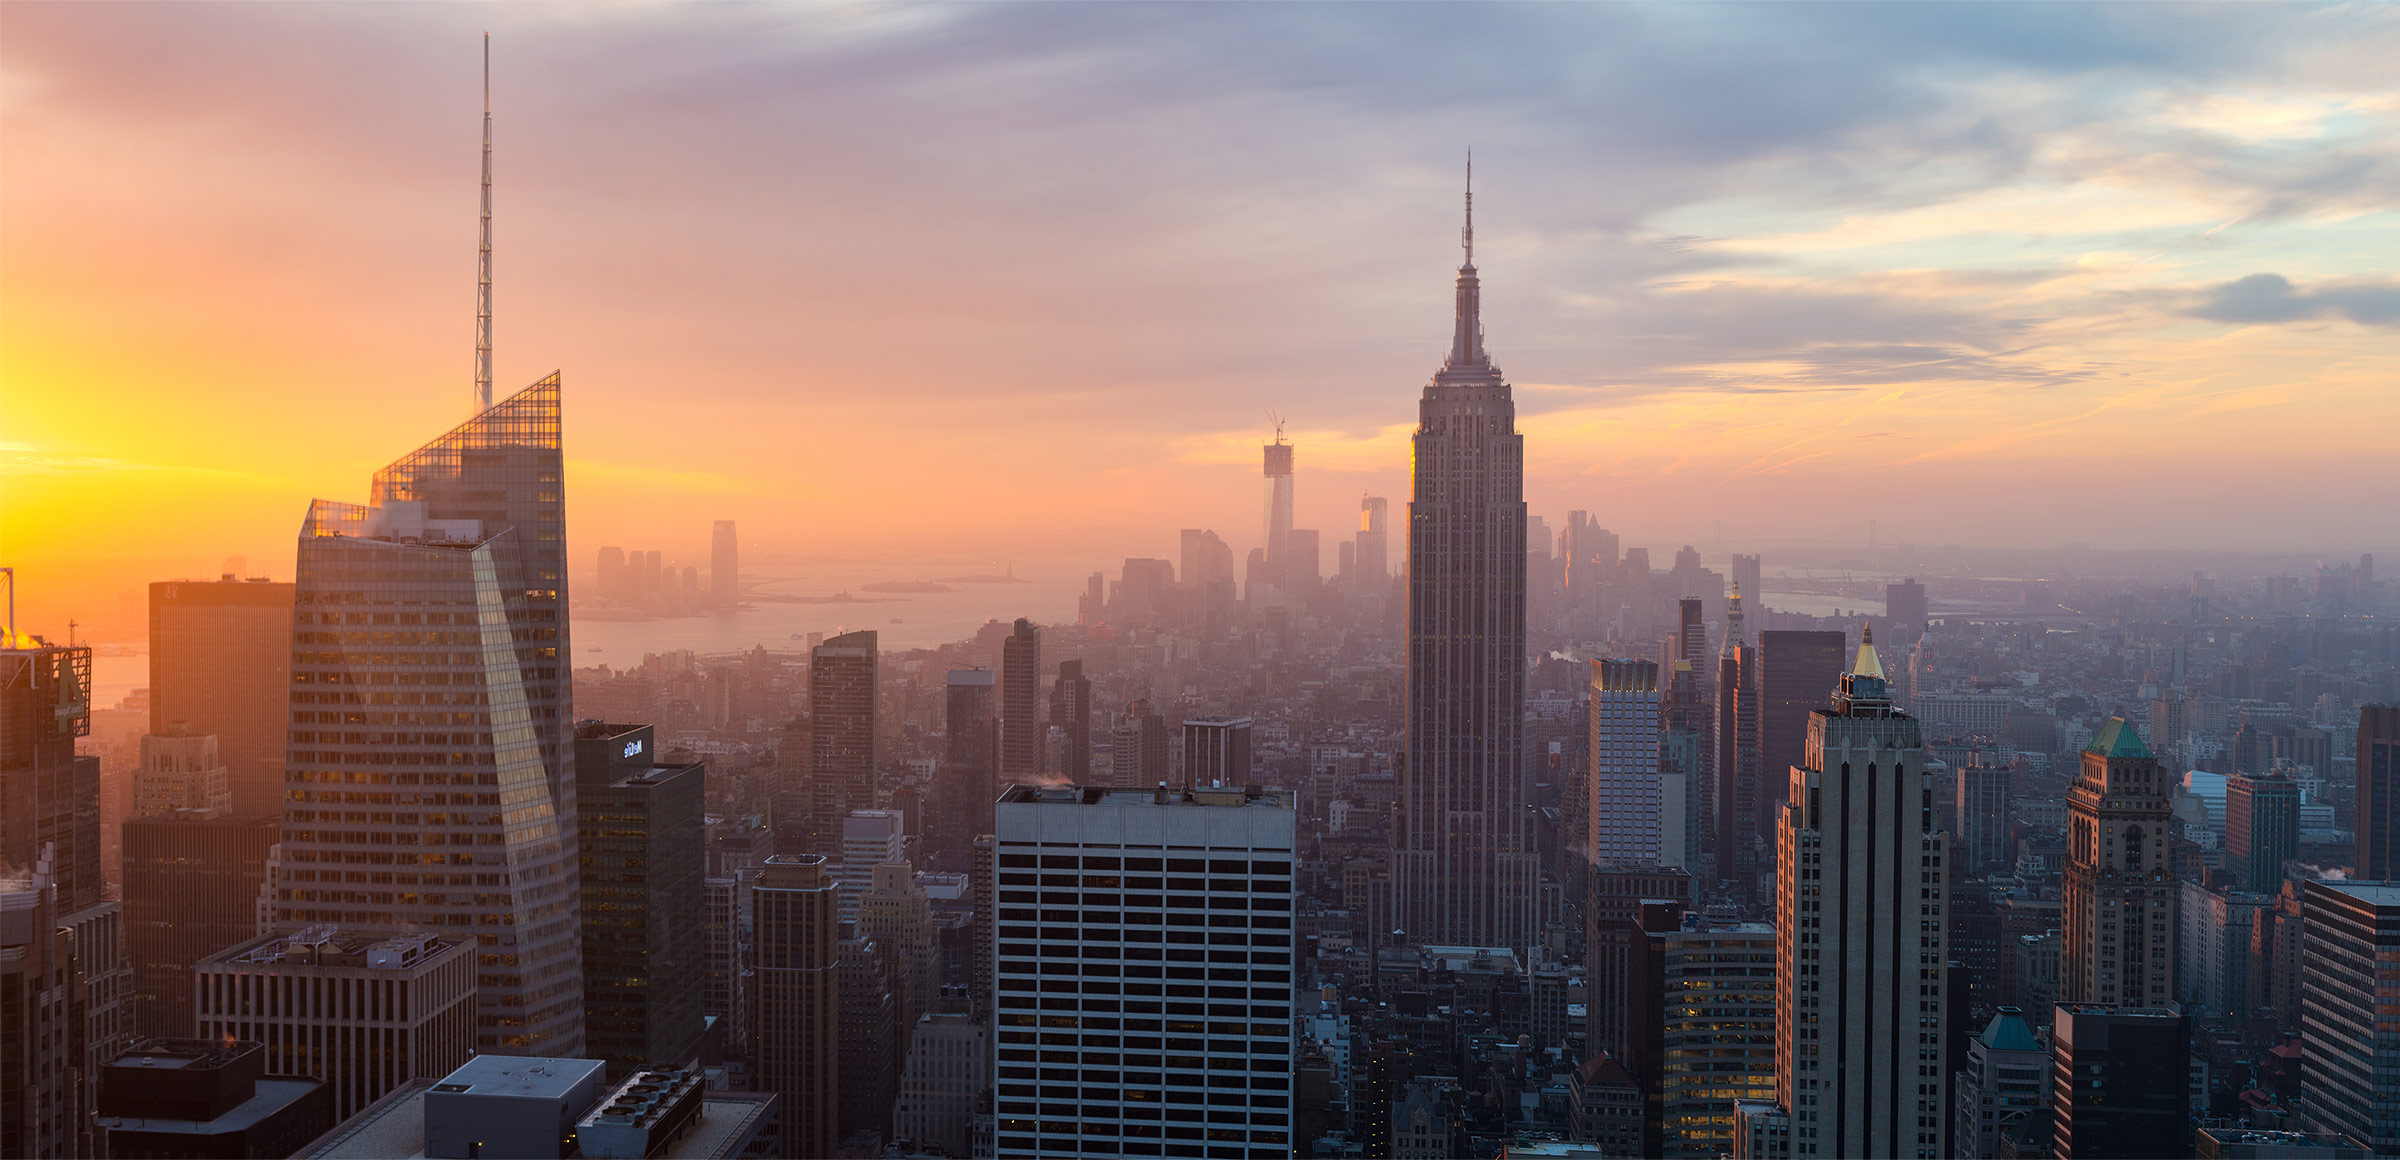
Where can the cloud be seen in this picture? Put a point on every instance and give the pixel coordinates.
(2266, 299)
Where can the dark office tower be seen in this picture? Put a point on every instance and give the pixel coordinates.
(1981, 804)
(2120, 1083)
(842, 741)
(1464, 869)
(1304, 561)
(49, 797)
(1742, 789)
(2262, 829)
(1071, 711)
(1374, 538)
(1861, 919)
(1796, 669)
(962, 806)
(644, 837)
(1216, 752)
(795, 1017)
(1140, 754)
(725, 566)
(1691, 630)
(221, 662)
(970, 723)
(1278, 472)
(2117, 903)
(1745, 579)
(872, 1048)
(2348, 973)
(191, 889)
(1904, 607)
(1020, 706)
(432, 655)
(2378, 793)
(612, 574)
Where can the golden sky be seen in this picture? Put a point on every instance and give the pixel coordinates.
(1023, 280)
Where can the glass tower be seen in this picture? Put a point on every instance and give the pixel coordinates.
(429, 780)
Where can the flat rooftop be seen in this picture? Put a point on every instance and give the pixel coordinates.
(393, 1128)
(2373, 893)
(523, 1077)
(1117, 795)
(273, 1094)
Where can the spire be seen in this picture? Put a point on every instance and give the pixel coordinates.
(1868, 665)
(1734, 638)
(483, 281)
(1466, 237)
(1466, 336)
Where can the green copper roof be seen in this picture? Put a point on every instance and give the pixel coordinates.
(2118, 739)
(2008, 1031)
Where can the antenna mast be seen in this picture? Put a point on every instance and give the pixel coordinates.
(1466, 236)
(483, 284)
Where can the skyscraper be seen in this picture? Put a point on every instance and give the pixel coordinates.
(1701, 1032)
(2378, 793)
(725, 566)
(2120, 1082)
(1797, 669)
(1981, 803)
(1623, 789)
(794, 1044)
(1102, 897)
(432, 657)
(1463, 866)
(1216, 751)
(1742, 791)
(1071, 711)
(1861, 916)
(191, 889)
(180, 770)
(1278, 471)
(2262, 829)
(1139, 750)
(2349, 970)
(842, 744)
(1904, 605)
(962, 806)
(1745, 579)
(643, 839)
(49, 797)
(2117, 902)
(1020, 706)
(1374, 538)
(221, 663)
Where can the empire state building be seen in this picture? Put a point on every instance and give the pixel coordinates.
(1464, 871)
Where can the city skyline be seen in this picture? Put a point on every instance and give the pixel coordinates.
(2165, 253)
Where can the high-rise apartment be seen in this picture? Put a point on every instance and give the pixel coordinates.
(2378, 793)
(1463, 865)
(1623, 788)
(180, 770)
(2120, 1081)
(2117, 901)
(192, 879)
(795, 1016)
(643, 839)
(221, 662)
(1374, 539)
(1020, 706)
(2262, 829)
(1797, 670)
(2349, 970)
(1071, 712)
(363, 1011)
(429, 702)
(725, 566)
(1145, 965)
(842, 740)
(1861, 917)
(1742, 790)
(1216, 751)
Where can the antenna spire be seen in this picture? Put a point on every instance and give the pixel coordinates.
(483, 283)
(1466, 236)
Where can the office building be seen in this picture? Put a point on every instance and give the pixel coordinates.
(1980, 801)
(842, 739)
(1071, 711)
(1861, 918)
(221, 662)
(432, 657)
(725, 566)
(1620, 907)
(2349, 970)
(179, 771)
(1374, 539)
(181, 1098)
(2262, 829)
(797, 998)
(1020, 706)
(1464, 869)
(1746, 579)
(2214, 928)
(1905, 608)
(2378, 793)
(2004, 1077)
(1276, 459)
(1703, 1034)
(510, 1107)
(1158, 924)
(1797, 670)
(970, 720)
(1139, 748)
(644, 839)
(2117, 901)
(1741, 789)
(191, 889)
(870, 838)
(363, 1011)
(898, 917)
(948, 1082)
(40, 984)
(1623, 787)
(871, 1051)
(2120, 1082)
(1216, 752)
(962, 800)
(49, 797)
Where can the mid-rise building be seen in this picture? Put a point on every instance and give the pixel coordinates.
(1861, 918)
(183, 1097)
(948, 1082)
(221, 662)
(1464, 867)
(363, 1011)
(896, 914)
(1144, 963)
(2120, 1082)
(1623, 787)
(2378, 793)
(430, 729)
(1216, 752)
(2117, 906)
(2262, 828)
(192, 879)
(2348, 972)
(795, 1010)
(2005, 1077)
(643, 837)
(179, 771)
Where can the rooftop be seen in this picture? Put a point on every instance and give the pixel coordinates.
(1109, 795)
(509, 1075)
(393, 1128)
(2371, 893)
(271, 1094)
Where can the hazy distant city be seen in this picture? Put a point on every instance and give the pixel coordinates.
(1905, 674)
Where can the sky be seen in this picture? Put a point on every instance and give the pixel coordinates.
(1022, 280)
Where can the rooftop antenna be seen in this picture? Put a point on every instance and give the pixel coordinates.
(1466, 236)
(1278, 419)
(483, 282)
